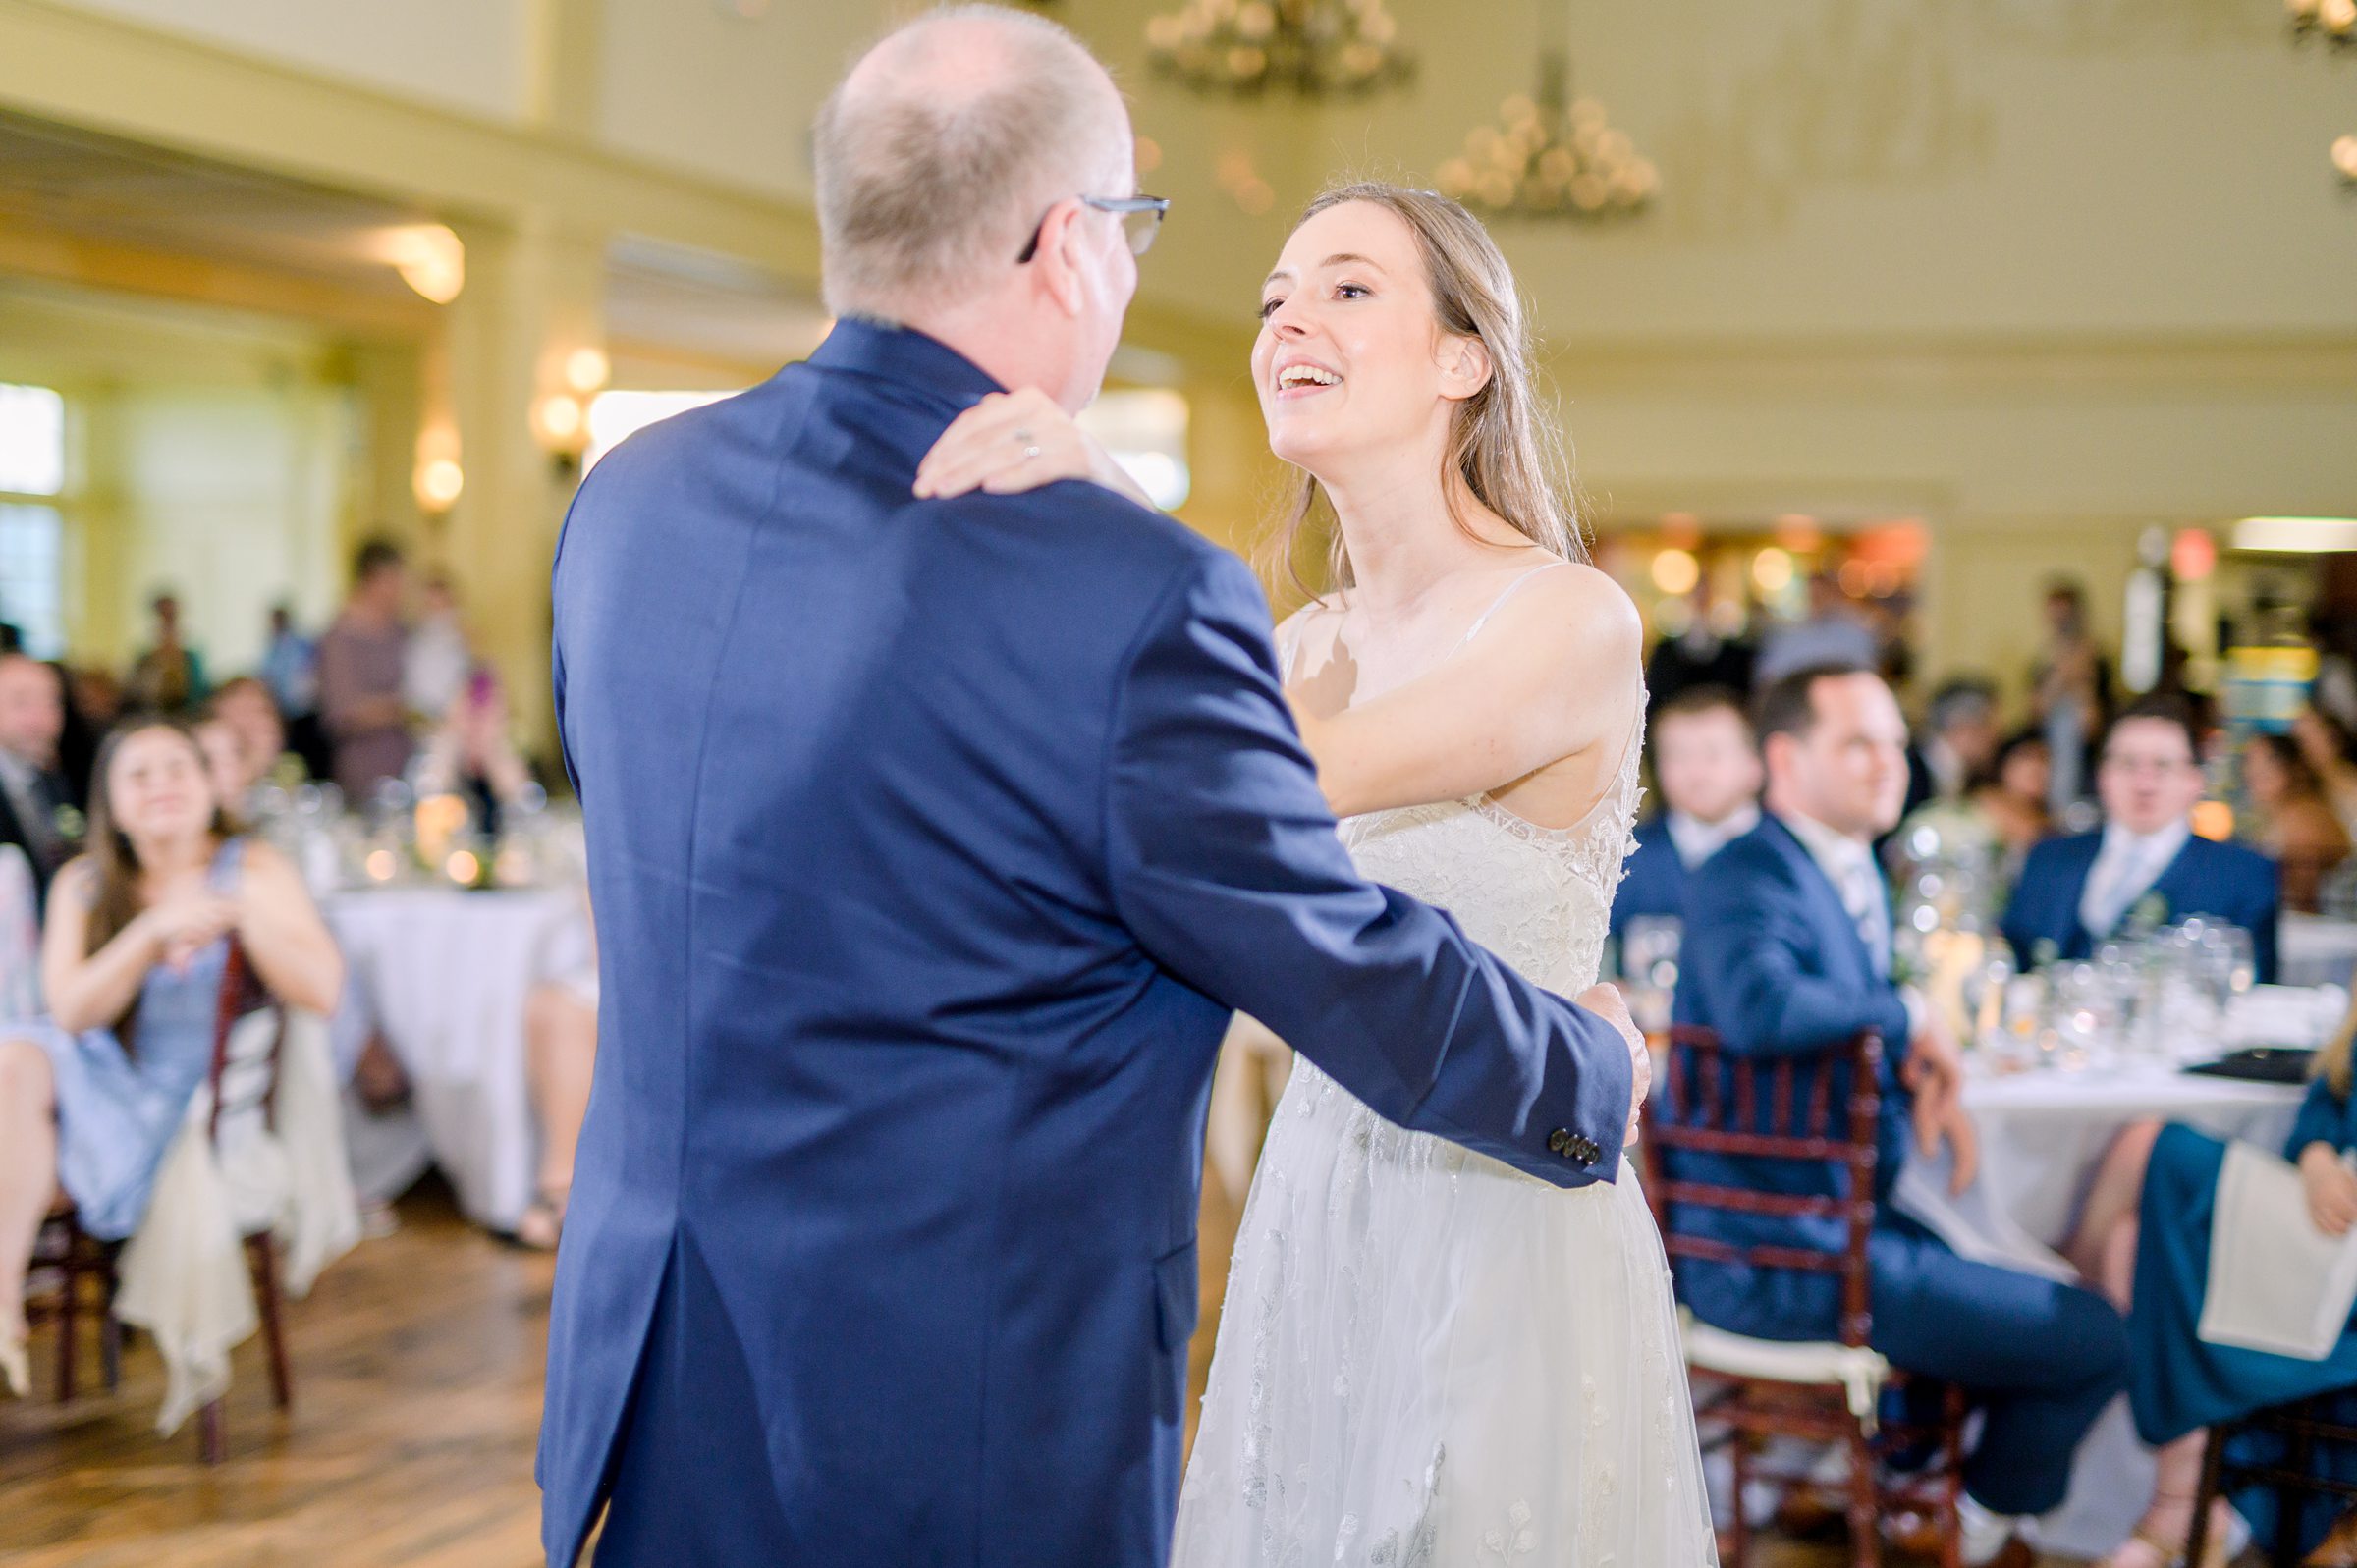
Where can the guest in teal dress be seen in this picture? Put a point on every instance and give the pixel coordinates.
(132, 952)
(2146, 1238)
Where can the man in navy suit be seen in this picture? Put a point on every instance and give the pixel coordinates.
(969, 824)
(2147, 866)
(1708, 771)
(1787, 952)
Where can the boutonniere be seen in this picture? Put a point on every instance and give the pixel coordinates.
(2147, 914)
(68, 824)
(1907, 968)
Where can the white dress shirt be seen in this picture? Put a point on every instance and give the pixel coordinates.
(1848, 864)
(1697, 840)
(2124, 871)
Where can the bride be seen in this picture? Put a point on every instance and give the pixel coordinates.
(1428, 1359)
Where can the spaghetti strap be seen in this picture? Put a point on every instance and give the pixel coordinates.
(1290, 653)
(1498, 603)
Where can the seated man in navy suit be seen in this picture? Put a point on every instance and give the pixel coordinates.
(2146, 867)
(1708, 771)
(1787, 952)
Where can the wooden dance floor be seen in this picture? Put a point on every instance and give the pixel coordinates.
(416, 1400)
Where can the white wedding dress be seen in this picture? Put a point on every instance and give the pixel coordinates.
(1428, 1359)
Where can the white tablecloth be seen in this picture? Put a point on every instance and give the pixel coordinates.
(2042, 1136)
(444, 974)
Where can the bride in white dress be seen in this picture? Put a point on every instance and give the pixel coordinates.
(1427, 1359)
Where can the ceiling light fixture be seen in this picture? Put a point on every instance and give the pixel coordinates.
(1552, 156)
(1311, 48)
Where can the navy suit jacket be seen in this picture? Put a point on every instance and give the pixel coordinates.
(1773, 963)
(1654, 882)
(2223, 880)
(931, 844)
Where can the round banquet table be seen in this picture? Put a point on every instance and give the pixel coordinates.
(2041, 1135)
(443, 974)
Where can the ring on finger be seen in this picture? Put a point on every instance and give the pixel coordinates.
(1030, 452)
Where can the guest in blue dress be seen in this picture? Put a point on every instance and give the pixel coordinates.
(2147, 1236)
(133, 954)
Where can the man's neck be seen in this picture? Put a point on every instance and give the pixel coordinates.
(1795, 814)
(985, 332)
(2176, 829)
(1740, 818)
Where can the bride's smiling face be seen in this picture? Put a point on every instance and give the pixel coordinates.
(1351, 358)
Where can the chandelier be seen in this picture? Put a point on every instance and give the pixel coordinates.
(2334, 20)
(1554, 156)
(1315, 48)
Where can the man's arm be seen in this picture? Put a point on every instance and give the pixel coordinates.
(1744, 943)
(1224, 865)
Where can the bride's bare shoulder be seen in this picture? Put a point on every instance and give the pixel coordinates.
(1574, 612)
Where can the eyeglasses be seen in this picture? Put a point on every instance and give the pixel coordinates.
(1141, 220)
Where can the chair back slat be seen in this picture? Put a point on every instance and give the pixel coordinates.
(1792, 1131)
(243, 1076)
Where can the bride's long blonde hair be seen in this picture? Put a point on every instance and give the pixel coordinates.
(1503, 450)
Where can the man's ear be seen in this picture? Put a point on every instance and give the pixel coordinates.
(1465, 366)
(1058, 263)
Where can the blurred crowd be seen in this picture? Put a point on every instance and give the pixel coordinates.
(1793, 796)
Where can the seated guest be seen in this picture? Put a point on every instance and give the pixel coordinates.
(1709, 774)
(1791, 956)
(36, 803)
(224, 766)
(470, 753)
(2146, 866)
(2012, 801)
(134, 949)
(251, 714)
(93, 702)
(2147, 1234)
(2324, 741)
(2296, 823)
(1959, 745)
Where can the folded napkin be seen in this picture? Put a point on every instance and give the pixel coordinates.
(2286, 1016)
(2277, 1283)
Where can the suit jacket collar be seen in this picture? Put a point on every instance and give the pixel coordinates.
(1775, 831)
(907, 358)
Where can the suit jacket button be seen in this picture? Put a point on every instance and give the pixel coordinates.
(1587, 1151)
(1559, 1142)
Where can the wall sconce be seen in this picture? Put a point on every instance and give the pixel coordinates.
(437, 479)
(560, 424)
(560, 418)
(429, 256)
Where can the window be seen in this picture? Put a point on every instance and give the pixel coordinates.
(617, 415)
(1145, 431)
(32, 462)
(29, 574)
(33, 441)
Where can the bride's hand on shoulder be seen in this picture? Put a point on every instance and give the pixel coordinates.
(1015, 441)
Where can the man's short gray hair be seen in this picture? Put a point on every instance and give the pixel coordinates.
(944, 145)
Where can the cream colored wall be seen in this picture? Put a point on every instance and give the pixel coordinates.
(230, 496)
(469, 55)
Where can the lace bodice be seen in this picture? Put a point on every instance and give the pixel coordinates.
(1538, 897)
